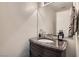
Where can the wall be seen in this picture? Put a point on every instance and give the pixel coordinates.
(71, 49)
(47, 19)
(18, 23)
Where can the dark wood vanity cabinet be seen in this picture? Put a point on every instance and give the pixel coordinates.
(37, 50)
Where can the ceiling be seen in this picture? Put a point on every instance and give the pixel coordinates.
(59, 6)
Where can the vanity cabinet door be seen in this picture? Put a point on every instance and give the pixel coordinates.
(35, 50)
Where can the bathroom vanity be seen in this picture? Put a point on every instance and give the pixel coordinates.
(47, 48)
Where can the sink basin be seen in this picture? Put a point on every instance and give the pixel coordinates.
(52, 43)
(46, 41)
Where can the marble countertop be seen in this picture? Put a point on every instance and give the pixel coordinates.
(58, 45)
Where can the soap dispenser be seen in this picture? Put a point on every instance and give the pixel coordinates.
(60, 35)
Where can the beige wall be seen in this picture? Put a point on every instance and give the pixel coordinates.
(18, 23)
(47, 19)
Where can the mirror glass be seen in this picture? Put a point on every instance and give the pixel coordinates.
(54, 16)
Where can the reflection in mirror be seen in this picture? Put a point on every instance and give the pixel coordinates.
(54, 16)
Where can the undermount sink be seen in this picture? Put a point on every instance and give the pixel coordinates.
(46, 41)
